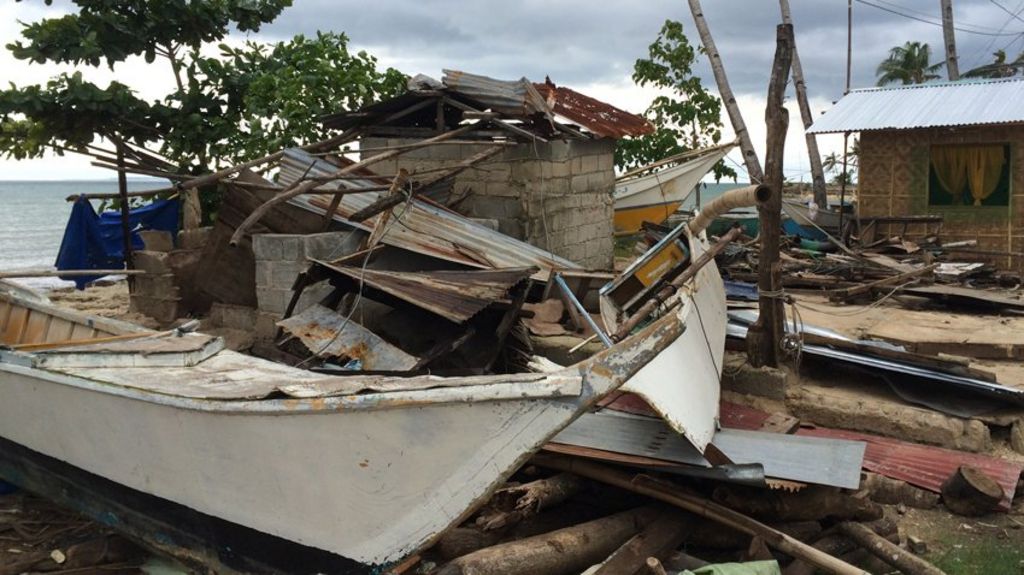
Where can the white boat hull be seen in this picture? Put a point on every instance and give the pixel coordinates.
(655, 196)
(371, 478)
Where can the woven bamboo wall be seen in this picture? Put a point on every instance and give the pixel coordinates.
(893, 181)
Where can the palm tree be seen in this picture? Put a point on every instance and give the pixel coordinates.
(999, 68)
(908, 64)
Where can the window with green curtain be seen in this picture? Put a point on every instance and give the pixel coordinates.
(969, 175)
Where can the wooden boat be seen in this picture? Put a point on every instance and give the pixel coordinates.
(368, 468)
(652, 193)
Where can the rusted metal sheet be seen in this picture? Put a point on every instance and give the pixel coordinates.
(327, 333)
(421, 226)
(600, 118)
(922, 465)
(453, 295)
(518, 98)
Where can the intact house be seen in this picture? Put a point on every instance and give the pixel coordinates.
(550, 186)
(950, 149)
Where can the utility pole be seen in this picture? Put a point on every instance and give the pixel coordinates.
(949, 37)
(814, 155)
(764, 338)
(750, 160)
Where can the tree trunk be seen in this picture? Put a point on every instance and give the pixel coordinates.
(659, 537)
(764, 339)
(882, 489)
(949, 37)
(968, 491)
(746, 146)
(569, 550)
(807, 505)
(813, 154)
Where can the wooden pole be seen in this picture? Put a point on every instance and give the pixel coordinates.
(697, 505)
(885, 550)
(65, 273)
(949, 36)
(126, 227)
(764, 339)
(746, 146)
(813, 154)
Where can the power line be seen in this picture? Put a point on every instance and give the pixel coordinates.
(929, 16)
(983, 53)
(934, 23)
(1003, 8)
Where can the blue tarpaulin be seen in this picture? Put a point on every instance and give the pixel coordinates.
(95, 241)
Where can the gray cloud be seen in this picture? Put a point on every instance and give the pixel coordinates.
(578, 42)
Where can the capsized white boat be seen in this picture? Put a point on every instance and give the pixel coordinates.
(652, 193)
(368, 468)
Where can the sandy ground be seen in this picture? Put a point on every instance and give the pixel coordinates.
(103, 299)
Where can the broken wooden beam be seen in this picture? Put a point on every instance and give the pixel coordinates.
(513, 504)
(673, 495)
(846, 294)
(568, 550)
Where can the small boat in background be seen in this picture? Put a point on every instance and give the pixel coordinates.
(654, 192)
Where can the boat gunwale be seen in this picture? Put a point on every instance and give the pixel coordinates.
(604, 362)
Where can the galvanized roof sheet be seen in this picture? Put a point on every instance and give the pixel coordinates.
(962, 103)
(593, 114)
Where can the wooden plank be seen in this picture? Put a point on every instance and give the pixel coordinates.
(15, 325)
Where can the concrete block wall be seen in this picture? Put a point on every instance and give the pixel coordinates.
(165, 292)
(555, 195)
(280, 258)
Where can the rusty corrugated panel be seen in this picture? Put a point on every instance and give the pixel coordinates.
(600, 118)
(961, 103)
(454, 295)
(327, 333)
(925, 466)
(512, 97)
(423, 227)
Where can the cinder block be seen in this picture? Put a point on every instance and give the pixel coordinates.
(283, 274)
(233, 316)
(156, 286)
(151, 262)
(487, 222)
(157, 240)
(266, 326)
(263, 279)
(265, 247)
(179, 261)
(273, 300)
(163, 310)
(194, 239)
(329, 245)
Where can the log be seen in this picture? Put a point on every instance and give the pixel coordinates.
(679, 561)
(513, 504)
(764, 338)
(888, 491)
(808, 504)
(887, 551)
(969, 491)
(660, 536)
(701, 506)
(569, 550)
(459, 541)
(654, 566)
(838, 545)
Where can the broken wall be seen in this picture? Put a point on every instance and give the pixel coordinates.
(555, 195)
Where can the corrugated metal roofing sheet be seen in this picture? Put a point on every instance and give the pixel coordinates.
(961, 103)
(513, 97)
(455, 295)
(600, 118)
(922, 465)
(424, 227)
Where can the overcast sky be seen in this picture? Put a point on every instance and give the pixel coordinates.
(590, 46)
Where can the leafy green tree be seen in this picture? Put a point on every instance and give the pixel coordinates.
(999, 68)
(687, 118)
(908, 64)
(246, 101)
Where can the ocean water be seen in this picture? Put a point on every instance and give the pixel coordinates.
(33, 216)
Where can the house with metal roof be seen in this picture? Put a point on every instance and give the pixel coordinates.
(551, 182)
(951, 149)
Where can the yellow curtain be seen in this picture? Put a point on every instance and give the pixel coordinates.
(950, 163)
(984, 169)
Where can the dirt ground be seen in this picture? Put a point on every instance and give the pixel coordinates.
(105, 299)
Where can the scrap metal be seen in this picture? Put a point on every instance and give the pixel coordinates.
(596, 116)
